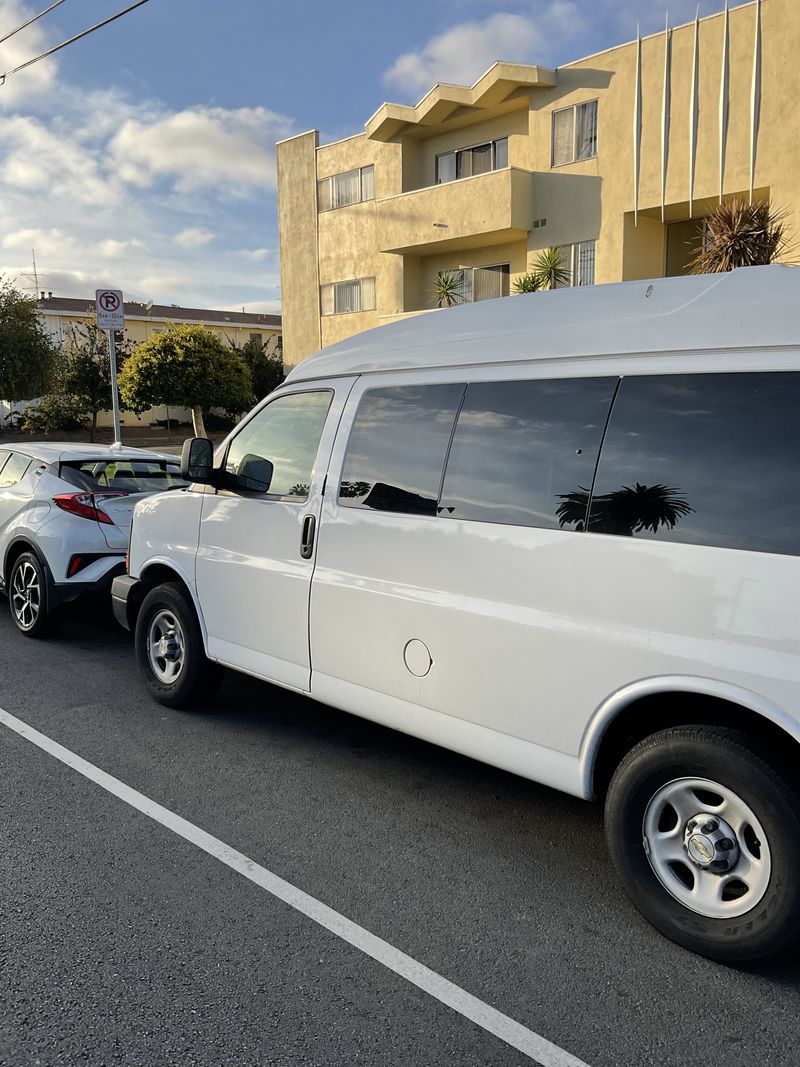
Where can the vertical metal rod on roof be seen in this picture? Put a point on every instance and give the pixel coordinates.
(693, 109)
(724, 89)
(637, 126)
(665, 110)
(755, 100)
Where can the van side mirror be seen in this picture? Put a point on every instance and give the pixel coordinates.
(253, 476)
(197, 460)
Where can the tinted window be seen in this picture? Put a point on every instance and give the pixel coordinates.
(131, 476)
(708, 459)
(287, 433)
(521, 448)
(397, 448)
(13, 469)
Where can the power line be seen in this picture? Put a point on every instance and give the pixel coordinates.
(77, 37)
(30, 20)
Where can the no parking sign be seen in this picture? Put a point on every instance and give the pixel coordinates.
(110, 309)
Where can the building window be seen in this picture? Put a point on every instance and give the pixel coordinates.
(255, 338)
(578, 261)
(480, 283)
(341, 190)
(340, 298)
(479, 159)
(574, 133)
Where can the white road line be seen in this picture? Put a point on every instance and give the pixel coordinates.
(508, 1030)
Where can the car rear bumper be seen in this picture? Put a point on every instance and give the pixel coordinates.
(122, 589)
(60, 593)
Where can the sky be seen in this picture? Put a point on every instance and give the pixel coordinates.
(142, 158)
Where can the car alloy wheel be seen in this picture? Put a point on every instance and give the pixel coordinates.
(26, 595)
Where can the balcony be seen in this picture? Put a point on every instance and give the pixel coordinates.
(487, 209)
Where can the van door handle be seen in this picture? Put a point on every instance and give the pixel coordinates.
(307, 537)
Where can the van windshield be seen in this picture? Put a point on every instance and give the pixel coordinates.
(123, 475)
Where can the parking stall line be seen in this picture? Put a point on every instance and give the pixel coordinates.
(514, 1034)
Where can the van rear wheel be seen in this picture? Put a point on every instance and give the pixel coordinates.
(705, 833)
(169, 649)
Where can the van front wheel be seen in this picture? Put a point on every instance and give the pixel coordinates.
(169, 649)
(705, 833)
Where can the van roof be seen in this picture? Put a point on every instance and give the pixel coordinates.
(753, 307)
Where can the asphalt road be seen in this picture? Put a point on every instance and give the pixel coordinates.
(121, 943)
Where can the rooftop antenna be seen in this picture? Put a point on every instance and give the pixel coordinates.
(35, 273)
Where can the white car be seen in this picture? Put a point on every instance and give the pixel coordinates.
(65, 517)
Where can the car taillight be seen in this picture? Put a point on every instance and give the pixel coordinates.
(86, 505)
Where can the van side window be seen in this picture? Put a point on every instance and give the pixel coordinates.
(397, 448)
(524, 453)
(287, 432)
(704, 459)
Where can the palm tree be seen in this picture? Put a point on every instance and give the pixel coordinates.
(449, 288)
(549, 270)
(626, 511)
(740, 234)
(526, 283)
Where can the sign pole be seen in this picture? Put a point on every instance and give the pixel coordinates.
(112, 356)
(111, 317)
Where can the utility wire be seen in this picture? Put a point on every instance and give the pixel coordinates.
(77, 37)
(30, 20)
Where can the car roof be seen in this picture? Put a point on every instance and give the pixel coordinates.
(76, 452)
(755, 307)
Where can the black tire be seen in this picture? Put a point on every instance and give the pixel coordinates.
(31, 616)
(771, 927)
(197, 677)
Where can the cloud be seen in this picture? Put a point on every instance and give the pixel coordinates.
(202, 147)
(194, 237)
(113, 249)
(34, 81)
(40, 159)
(47, 242)
(253, 255)
(464, 52)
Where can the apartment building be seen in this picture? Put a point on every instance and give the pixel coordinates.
(61, 314)
(615, 159)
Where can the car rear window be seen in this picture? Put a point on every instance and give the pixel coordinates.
(132, 476)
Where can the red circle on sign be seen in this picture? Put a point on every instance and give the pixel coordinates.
(109, 301)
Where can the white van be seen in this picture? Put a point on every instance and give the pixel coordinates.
(559, 533)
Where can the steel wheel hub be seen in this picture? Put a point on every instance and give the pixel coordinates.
(165, 646)
(711, 843)
(707, 847)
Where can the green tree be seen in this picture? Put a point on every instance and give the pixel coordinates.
(449, 288)
(549, 270)
(186, 366)
(27, 353)
(527, 283)
(740, 234)
(266, 368)
(84, 372)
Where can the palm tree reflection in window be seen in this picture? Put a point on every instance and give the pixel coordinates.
(626, 511)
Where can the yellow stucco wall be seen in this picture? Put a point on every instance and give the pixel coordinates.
(490, 218)
(297, 219)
